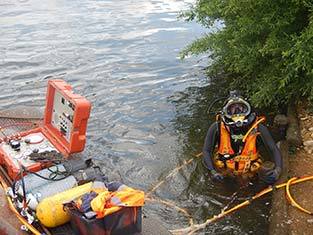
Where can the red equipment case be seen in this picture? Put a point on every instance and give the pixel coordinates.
(63, 130)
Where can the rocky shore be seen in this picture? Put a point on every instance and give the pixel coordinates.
(298, 161)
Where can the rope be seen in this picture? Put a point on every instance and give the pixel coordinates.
(172, 173)
(172, 204)
(183, 210)
(168, 203)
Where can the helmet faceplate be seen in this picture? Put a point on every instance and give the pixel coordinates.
(236, 111)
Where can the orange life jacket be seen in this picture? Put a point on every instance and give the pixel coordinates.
(247, 161)
(107, 202)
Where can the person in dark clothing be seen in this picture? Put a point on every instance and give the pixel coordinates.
(238, 134)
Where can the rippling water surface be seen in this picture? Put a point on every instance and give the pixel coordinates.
(148, 112)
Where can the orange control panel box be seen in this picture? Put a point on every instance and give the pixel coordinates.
(66, 117)
(63, 131)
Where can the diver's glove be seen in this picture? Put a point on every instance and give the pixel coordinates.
(271, 176)
(216, 176)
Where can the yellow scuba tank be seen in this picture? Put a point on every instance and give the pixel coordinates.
(50, 210)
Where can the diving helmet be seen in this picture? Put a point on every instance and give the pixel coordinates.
(236, 111)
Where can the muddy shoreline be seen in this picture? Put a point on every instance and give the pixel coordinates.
(298, 161)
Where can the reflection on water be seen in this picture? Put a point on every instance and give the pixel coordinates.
(148, 111)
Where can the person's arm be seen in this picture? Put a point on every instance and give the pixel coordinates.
(271, 176)
(209, 146)
(271, 146)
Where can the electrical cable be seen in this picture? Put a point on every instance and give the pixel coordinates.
(57, 172)
(55, 162)
(53, 175)
(48, 178)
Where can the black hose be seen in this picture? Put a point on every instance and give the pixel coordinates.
(53, 175)
(15, 180)
(213, 103)
(23, 186)
(48, 178)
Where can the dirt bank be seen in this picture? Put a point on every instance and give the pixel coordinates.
(298, 161)
(301, 163)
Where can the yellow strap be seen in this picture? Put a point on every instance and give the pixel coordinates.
(253, 126)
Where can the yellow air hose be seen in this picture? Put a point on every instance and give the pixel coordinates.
(262, 119)
(291, 199)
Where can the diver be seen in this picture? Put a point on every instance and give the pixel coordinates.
(231, 147)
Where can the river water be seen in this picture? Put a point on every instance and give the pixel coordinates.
(148, 106)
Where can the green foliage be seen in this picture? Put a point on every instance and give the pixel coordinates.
(264, 48)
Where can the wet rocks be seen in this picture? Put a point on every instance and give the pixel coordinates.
(281, 120)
